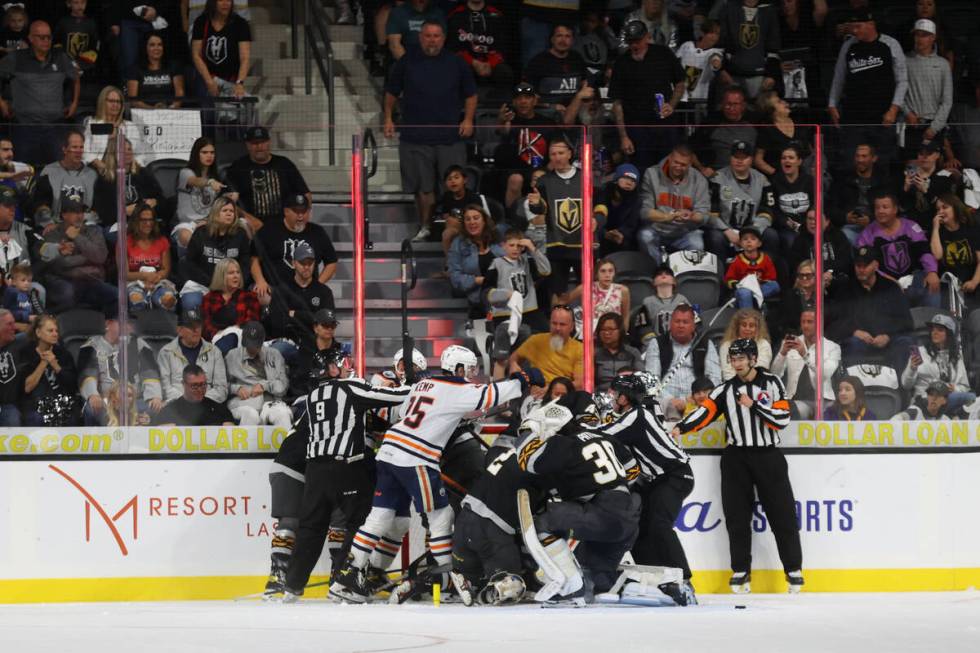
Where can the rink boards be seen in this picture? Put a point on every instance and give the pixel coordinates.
(136, 525)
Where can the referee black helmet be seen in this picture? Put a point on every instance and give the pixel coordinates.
(329, 364)
(743, 347)
(631, 386)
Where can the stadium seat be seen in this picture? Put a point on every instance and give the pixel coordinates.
(77, 325)
(639, 290)
(166, 171)
(632, 266)
(717, 330)
(885, 403)
(702, 290)
(920, 318)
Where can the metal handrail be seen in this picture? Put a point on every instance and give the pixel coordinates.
(370, 142)
(408, 281)
(316, 27)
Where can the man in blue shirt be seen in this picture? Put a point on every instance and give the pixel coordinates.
(433, 88)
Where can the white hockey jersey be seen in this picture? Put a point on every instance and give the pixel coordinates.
(433, 411)
(697, 66)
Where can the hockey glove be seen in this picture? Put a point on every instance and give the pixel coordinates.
(529, 376)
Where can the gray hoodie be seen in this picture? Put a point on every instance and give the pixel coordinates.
(243, 374)
(659, 191)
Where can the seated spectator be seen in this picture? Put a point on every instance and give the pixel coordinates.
(618, 204)
(18, 242)
(872, 317)
(221, 46)
(478, 33)
(751, 261)
(902, 250)
(470, 256)
(930, 95)
(257, 381)
(219, 238)
(14, 34)
(188, 348)
(555, 353)
(11, 384)
(791, 196)
(155, 82)
(109, 110)
(803, 294)
(851, 198)
(405, 23)
(796, 364)
(712, 143)
(78, 36)
(148, 254)
(271, 260)
(198, 186)
(228, 306)
(142, 188)
(557, 72)
(98, 365)
(676, 201)
(781, 133)
(934, 405)
(701, 60)
(113, 408)
(659, 306)
(324, 338)
(939, 360)
(738, 194)
(925, 180)
(264, 180)
(452, 203)
(69, 176)
(15, 175)
(611, 351)
(701, 387)
(607, 296)
(955, 244)
(193, 407)
(661, 28)
(850, 405)
(49, 376)
(837, 263)
(37, 99)
(74, 256)
(524, 137)
(669, 352)
(745, 323)
(20, 299)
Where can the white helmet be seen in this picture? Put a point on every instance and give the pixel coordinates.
(545, 421)
(455, 355)
(418, 362)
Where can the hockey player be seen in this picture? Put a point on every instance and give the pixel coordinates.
(665, 481)
(755, 409)
(408, 460)
(338, 472)
(286, 479)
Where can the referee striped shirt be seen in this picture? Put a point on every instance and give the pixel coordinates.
(755, 426)
(335, 413)
(642, 430)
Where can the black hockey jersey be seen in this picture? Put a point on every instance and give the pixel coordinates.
(494, 495)
(580, 465)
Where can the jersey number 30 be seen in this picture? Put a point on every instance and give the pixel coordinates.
(604, 457)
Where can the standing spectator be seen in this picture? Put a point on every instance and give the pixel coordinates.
(955, 244)
(141, 187)
(749, 324)
(930, 95)
(69, 177)
(801, 31)
(655, 18)
(221, 46)
(257, 381)
(607, 296)
(791, 196)
(701, 60)
(869, 86)
(37, 99)
(939, 360)
(78, 36)
(712, 144)
(405, 23)
(155, 82)
(676, 201)
(751, 261)
(929, 10)
(193, 407)
(781, 133)
(50, 377)
(148, 254)
(738, 194)
(14, 34)
(925, 180)
(849, 405)
(109, 110)
(227, 305)
(851, 198)
(750, 37)
(75, 257)
(219, 238)
(432, 87)
(525, 135)
(618, 204)
(555, 353)
(198, 186)
(515, 272)
(672, 349)
(796, 363)
(11, 383)
(611, 352)
(134, 19)
(902, 250)
(273, 247)
(558, 71)
(264, 180)
(189, 348)
(645, 71)
(478, 33)
(470, 256)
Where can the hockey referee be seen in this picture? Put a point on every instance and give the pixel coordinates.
(338, 473)
(755, 408)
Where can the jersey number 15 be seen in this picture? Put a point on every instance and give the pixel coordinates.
(414, 413)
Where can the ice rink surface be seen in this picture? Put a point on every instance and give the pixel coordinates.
(825, 623)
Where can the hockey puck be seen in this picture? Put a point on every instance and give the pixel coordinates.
(739, 607)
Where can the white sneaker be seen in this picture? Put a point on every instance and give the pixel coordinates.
(422, 235)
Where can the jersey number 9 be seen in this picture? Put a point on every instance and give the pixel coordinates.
(604, 457)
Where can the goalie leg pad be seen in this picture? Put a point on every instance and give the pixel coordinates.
(503, 588)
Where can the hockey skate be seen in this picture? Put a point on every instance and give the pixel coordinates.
(282, 550)
(740, 582)
(463, 588)
(348, 586)
(682, 593)
(375, 580)
(648, 585)
(795, 580)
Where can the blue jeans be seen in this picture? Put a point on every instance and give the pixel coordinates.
(65, 294)
(745, 299)
(851, 232)
(919, 295)
(959, 399)
(191, 301)
(650, 241)
(131, 34)
(288, 349)
(141, 300)
(896, 354)
(9, 415)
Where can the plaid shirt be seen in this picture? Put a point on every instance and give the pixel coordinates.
(245, 303)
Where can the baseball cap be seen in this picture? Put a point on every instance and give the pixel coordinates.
(924, 25)
(297, 201)
(524, 88)
(256, 133)
(745, 231)
(944, 321)
(191, 317)
(931, 146)
(324, 316)
(8, 196)
(634, 30)
(663, 269)
(866, 255)
(72, 204)
(742, 147)
(253, 335)
(860, 16)
(303, 252)
(627, 170)
(937, 388)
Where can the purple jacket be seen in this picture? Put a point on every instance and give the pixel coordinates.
(899, 252)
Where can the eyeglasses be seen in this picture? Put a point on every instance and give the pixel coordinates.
(609, 329)
(41, 37)
(196, 386)
(805, 275)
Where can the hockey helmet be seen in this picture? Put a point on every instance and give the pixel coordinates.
(545, 421)
(455, 355)
(632, 386)
(418, 362)
(331, 364)
(743, 347)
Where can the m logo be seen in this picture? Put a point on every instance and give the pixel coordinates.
(110, 522)
(217, 49)
(568, 214)
(748, 35)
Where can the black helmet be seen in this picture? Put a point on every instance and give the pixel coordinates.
(322, 360)
(632, 386)
(634, 30)
(744, 347)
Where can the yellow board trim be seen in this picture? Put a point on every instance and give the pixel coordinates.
(216, 588)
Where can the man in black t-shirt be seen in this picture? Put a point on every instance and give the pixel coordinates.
(194, 408)
(274, 247)
(263, 180)
(294, 302)
(558, 71)
(11, 384)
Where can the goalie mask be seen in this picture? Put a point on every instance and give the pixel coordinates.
(545, 421)
(453, 357)
(600, 410)
(398, 365)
